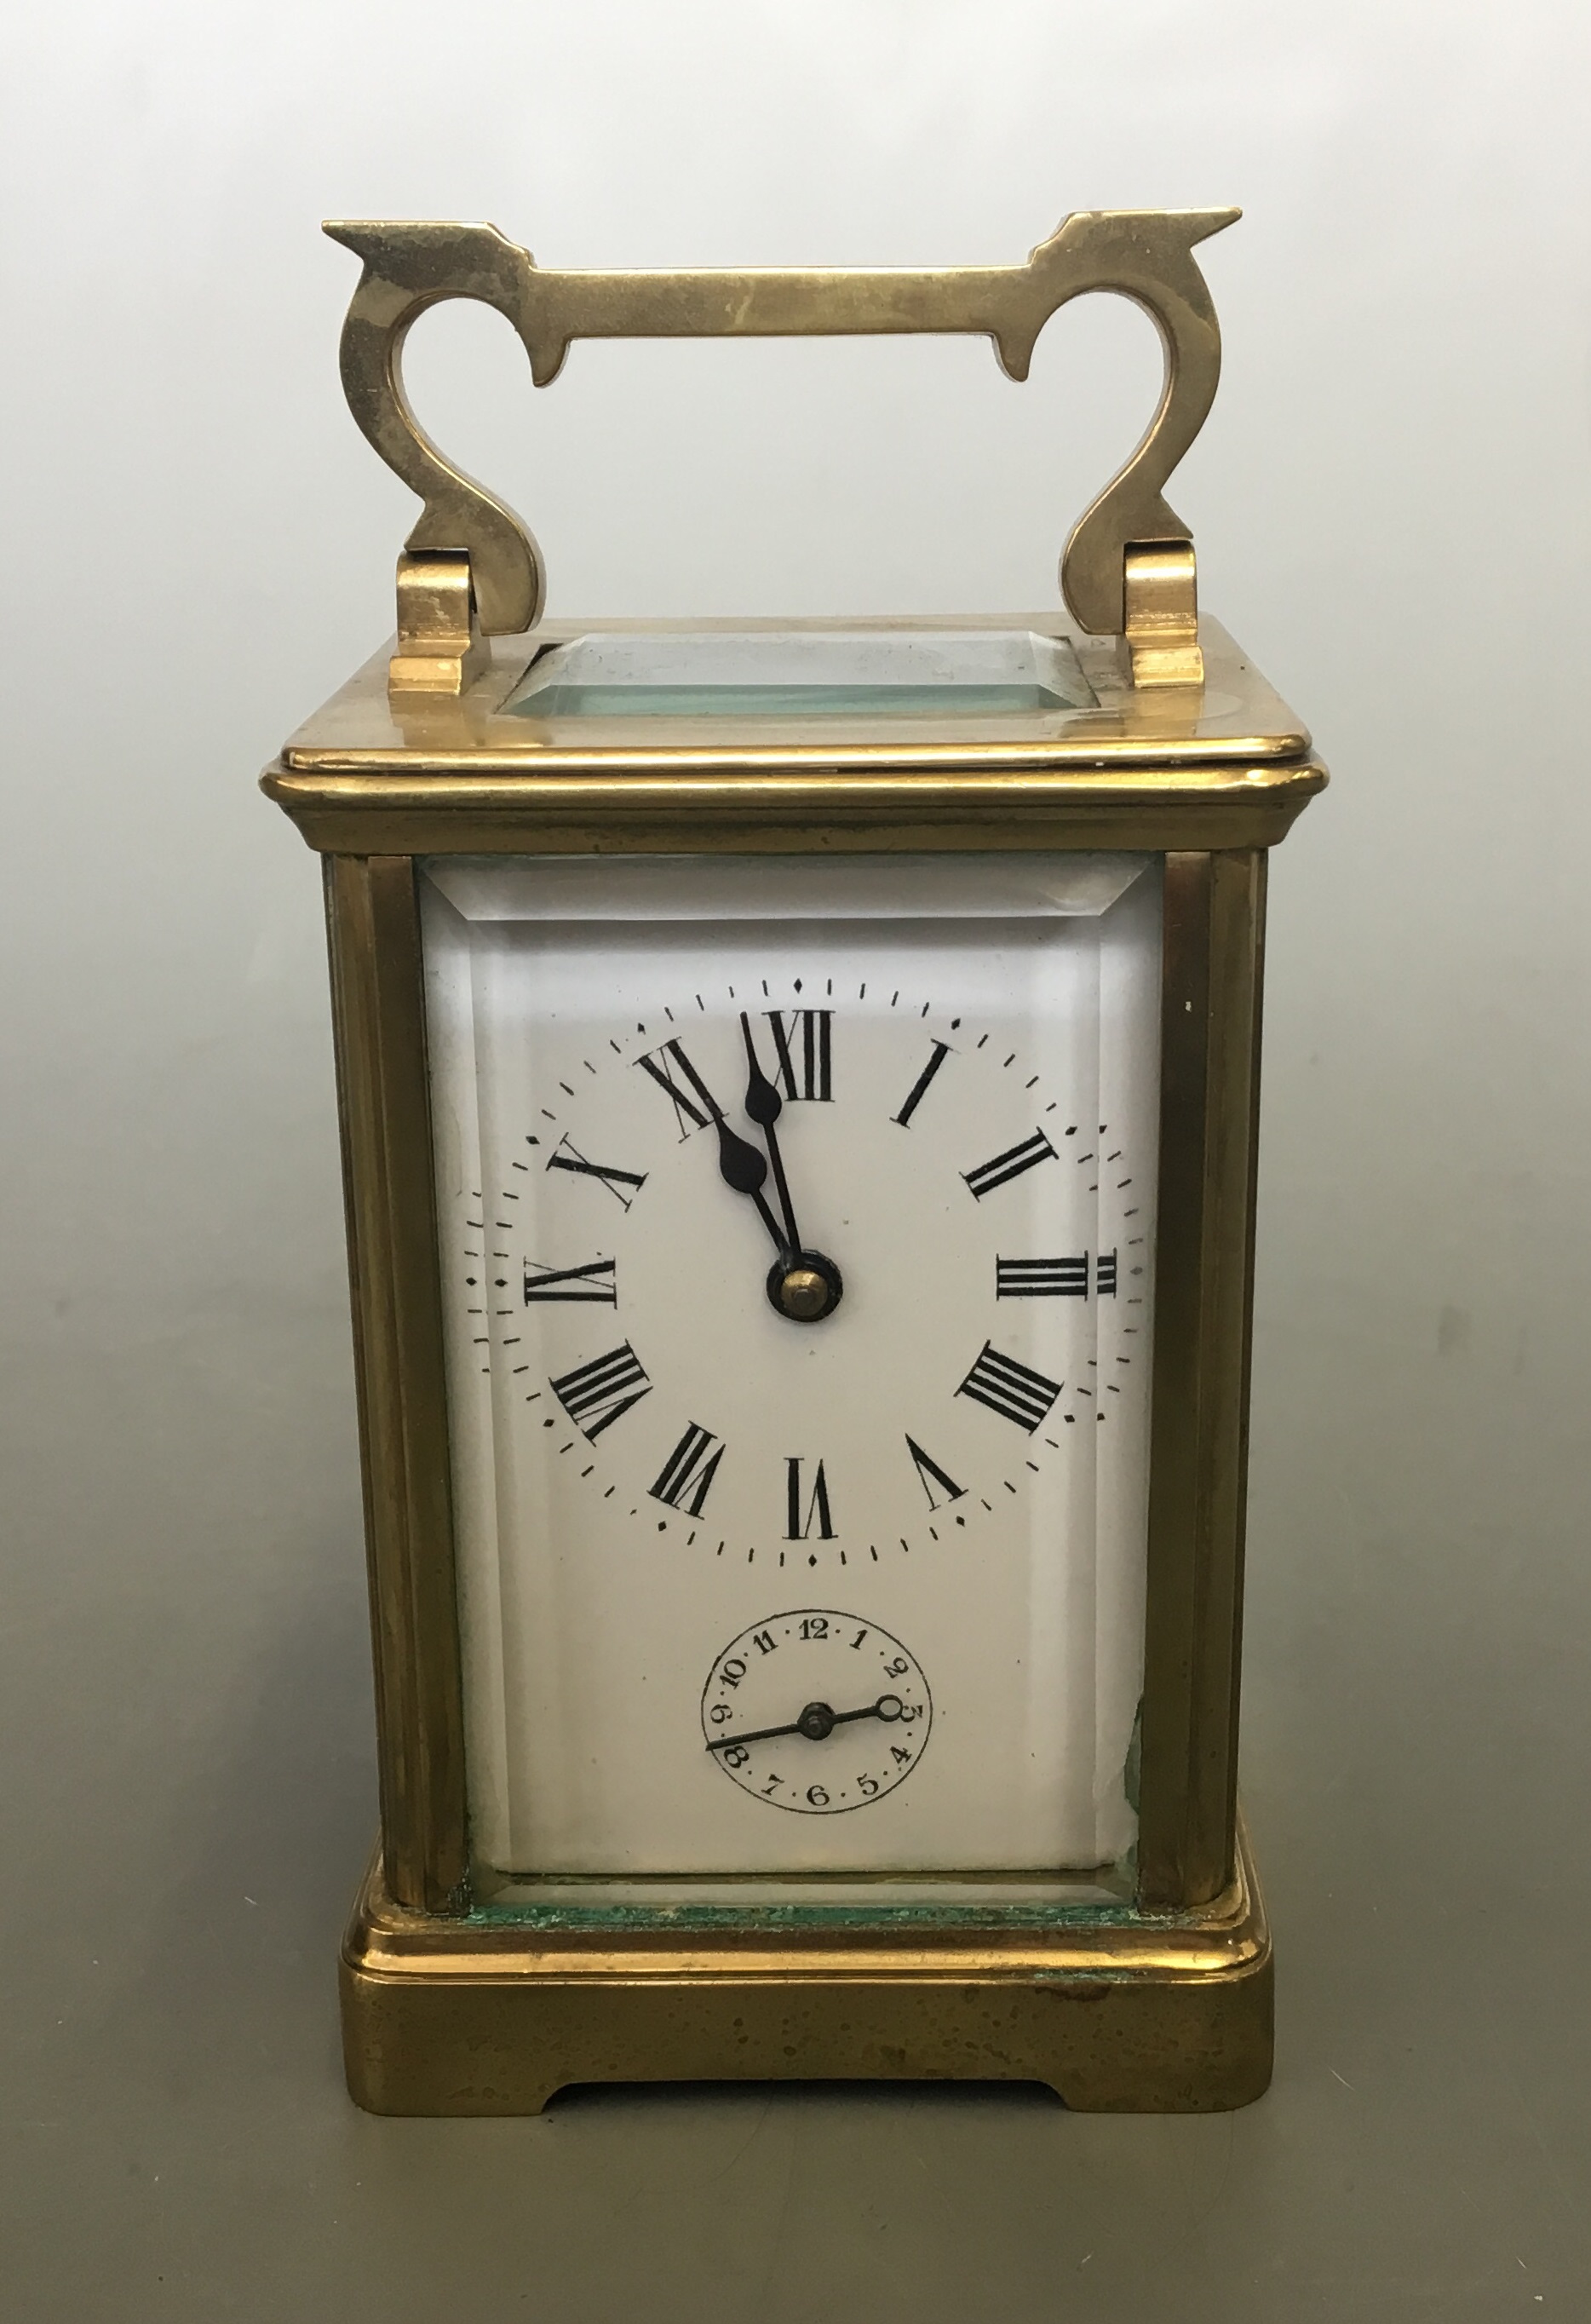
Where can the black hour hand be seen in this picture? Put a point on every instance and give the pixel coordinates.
(741, 1164)
(744, 1166)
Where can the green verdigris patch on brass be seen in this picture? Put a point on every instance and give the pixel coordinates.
(635, 1918)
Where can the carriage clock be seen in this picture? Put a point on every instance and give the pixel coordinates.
(798, 1095)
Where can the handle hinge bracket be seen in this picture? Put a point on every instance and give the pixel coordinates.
(1160, 604)
(440, 647)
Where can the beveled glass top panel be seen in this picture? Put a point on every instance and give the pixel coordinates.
(805, 673)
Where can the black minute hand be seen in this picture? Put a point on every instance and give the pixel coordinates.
(764, 1106)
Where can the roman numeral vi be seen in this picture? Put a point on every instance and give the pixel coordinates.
(798, 1529)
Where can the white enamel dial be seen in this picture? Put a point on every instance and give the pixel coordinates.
(937, 1178)
(795, 1262)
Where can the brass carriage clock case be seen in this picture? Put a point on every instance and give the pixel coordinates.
(1144, 1986)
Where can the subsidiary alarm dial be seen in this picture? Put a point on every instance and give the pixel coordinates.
(817, 1712)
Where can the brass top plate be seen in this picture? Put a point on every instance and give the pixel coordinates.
(1234, 719)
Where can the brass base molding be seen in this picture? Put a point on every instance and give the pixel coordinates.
(1137, 2013)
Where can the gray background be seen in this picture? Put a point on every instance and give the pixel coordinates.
(1391, 506)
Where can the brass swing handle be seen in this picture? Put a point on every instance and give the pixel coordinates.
(1127, 567)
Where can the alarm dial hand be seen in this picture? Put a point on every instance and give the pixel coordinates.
(817, 1722)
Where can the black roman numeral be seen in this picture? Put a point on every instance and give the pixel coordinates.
(689, 1471)
(687, 1111)
(615, 1181)
(1054, 1279)
(804, 1051)
(915, 1096)
(1012, 1389)
(797, 1528)
(930, 1473)
(1010, 1165)
(597, 1394)
(595, 1281)
(1042, 1278)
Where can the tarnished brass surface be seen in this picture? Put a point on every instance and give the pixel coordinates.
(1125, 2013)
(1171, 768)
(804, 1294)
(441, 649)
(449, 2009)
(1236, 719)
(1161, 610)
(409, 265)
(711, 813)
(1213, 949)
(378, 1019)
(1212, 954)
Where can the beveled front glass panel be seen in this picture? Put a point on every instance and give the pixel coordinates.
(836, 1576)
